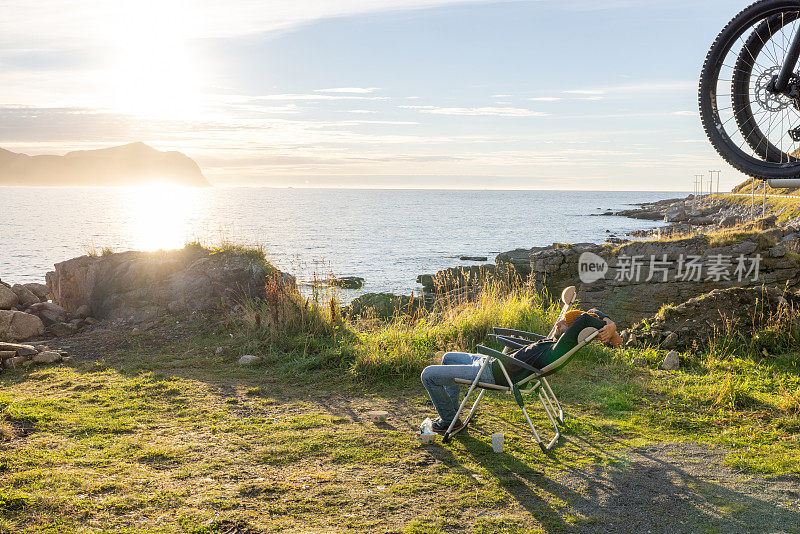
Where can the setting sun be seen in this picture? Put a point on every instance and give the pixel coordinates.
(153, 72)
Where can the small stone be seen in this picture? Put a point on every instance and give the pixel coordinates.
(47, 357)
(219, 350)
(249, 359)
(62, 329)
(6, 354)
(83, 311)
(10, 363)
(778, 251)
(639, 362)
(66, 358)
(135, 331)
(670, 341)
(91, 321)
(671, 361)
(28, 363)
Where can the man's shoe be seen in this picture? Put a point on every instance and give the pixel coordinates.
(441, 426)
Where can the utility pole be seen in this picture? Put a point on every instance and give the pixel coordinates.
(752, 199)
(699, 179)
(712, 179)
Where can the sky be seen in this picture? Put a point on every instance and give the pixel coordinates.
(568, 94)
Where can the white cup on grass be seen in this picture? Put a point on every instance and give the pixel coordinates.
(497, 442)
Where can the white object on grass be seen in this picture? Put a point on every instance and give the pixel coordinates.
(497, 442)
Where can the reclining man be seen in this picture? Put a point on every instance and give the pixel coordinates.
(439, 380)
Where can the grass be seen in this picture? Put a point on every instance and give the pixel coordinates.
(175, 437)
(785, 209)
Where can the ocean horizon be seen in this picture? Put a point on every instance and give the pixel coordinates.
(386, 236)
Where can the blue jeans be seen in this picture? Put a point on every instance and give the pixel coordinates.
(439, 380)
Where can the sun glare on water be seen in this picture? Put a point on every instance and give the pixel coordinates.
(161, 215)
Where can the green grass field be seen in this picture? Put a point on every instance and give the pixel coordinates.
(173, 437)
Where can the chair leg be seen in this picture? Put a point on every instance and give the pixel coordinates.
(551, 397)
(550, 415)
(449, 431)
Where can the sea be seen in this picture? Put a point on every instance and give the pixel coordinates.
(387, 237)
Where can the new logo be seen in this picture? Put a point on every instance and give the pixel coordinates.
(591, 267)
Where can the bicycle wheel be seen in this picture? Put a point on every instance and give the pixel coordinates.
(749, 126)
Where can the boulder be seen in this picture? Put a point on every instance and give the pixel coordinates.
(141, 286)
(40, 290)
(19, 326)
(47, 357)
(62, 329)
(8, 299)
(49, 312)
(83, 311)
(26, 296)
(671, 361)
(384, 305)
(473, 258)
(347, 282)
(19, 350)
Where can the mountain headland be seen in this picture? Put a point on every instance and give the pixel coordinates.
(126, 165)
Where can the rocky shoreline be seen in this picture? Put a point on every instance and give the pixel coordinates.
(761, 258)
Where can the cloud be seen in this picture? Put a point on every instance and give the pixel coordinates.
(317, 96)
(584, 92)
(479, 112)
(362, 111)
(545, 99)
(685, 113)
(55, 21)
(353, 90)
(643, 87)
(502, 96)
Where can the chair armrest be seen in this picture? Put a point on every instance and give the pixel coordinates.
(517, 333)
(506, 359)
(510, 342)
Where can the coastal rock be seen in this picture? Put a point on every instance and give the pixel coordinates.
(629, 293)
(26, 296)
(8, 299)
(718, 313)
(18, 349)
(384, 305)
(19, 326)
(473, 258)
(62, 329)
(473, 276)
(47, 357)
(778, 251)
(347, 282)
(141, 286)
(40, 290)
(49, 312)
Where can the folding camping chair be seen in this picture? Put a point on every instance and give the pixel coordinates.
(536, 381)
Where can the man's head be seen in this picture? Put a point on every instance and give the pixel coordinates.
(563, 324)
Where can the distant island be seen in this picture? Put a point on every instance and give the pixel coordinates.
(131, 164)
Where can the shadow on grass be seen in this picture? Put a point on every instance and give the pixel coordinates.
(665, 487)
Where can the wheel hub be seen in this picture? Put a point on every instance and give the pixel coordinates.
(772, 100)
